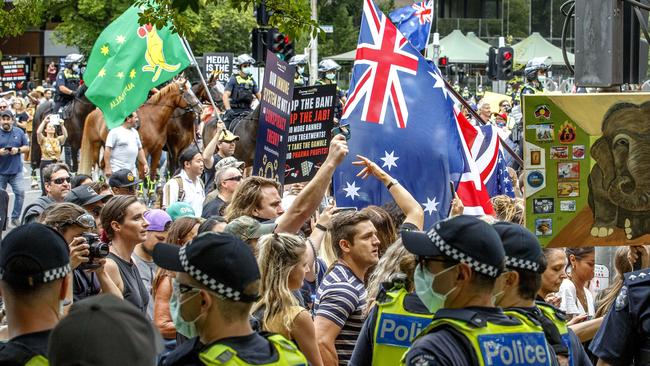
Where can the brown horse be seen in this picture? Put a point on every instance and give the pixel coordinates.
(153, 116)
(246, 128)
(81, 107)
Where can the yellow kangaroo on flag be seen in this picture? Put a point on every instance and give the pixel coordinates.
(154, 54)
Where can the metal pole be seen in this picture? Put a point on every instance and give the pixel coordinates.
(480, 120)
(205, 85)
(313, 46)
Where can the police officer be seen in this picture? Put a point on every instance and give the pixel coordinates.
(216, 284)
(327, 69)
(35, 268)
(459, 261)
(515, 291)
(299, 61)
(535, 74)
(240, 90)
(624, 336)
(67, 81)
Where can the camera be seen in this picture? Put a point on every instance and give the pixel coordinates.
(96, 250)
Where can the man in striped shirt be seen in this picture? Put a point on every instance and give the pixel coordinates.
(341, 297)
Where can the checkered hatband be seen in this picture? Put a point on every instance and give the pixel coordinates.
(524, 264)
(211, 283)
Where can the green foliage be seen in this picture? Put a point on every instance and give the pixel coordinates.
(24, 14)
(218, 27)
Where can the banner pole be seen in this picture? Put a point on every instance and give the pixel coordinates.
(188, 49)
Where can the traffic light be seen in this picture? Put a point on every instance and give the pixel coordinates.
(505, 58)
(492, 63)
(259, 44)
(280, 44)
(443, 61)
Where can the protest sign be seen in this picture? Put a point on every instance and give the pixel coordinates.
(271, 146)
(219, 64)
(14, 73)
(310, 130)
(585, 169)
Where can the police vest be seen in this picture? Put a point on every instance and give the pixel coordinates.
(513, 343)
(558, 319)
(38, 361)
(288, 354)
(242, 95)
(299, 80)
(395, 329)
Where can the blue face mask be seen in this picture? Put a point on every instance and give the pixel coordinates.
(188, 329)
(424, 288)
(246, 70)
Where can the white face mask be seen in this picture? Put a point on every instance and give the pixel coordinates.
(330, 75)
(246, 70)
(541, 78)
(75, 68)
(301, 70)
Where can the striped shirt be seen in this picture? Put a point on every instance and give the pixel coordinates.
(341, 298)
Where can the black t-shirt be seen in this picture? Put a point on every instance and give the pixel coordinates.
(362, 354)
(213, 208)
(209, 173)
(21, 349)
(253, 349)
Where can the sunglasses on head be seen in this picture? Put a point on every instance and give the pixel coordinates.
(237, 178)
(84, 220)
(61, 180)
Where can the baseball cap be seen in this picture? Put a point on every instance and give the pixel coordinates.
(228, 136)
(522, 248)
(104, 330)
(158, 219)
(122, 178)
(6, 113)
(33, 253)
(221, 262)
(180, 209)
(246, 227)
(84, 195)
(229, 162)
(461, 238)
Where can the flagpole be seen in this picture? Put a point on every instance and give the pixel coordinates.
(507, 147)
(189, 52)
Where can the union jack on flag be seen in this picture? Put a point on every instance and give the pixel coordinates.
(400, 117)
(414, 21)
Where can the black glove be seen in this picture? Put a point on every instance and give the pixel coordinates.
(229, 114)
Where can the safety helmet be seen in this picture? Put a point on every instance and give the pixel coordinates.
(244, 59)
(73, 58)
(536, 64)
(298, 60)
(328, 65)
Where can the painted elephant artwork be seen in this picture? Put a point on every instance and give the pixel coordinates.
(619, 183)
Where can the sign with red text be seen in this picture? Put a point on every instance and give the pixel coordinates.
(14, 73)
(271, 146)
(310, 131)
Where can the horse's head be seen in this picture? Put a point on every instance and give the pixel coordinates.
(189, 99)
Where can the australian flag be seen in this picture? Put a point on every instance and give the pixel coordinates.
(414, 21)
(400, 117)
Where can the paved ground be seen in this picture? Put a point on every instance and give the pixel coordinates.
(30, 195)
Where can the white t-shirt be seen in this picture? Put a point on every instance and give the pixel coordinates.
(125, 144)
(193, 191)
(570, 303)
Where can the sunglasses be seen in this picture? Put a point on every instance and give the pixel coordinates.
(237, 178)
(61, 180)
(3, 107)
(85, 220)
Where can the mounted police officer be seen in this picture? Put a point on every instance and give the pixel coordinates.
(240, 90)
(535, 73)
(299, 61)
(217, 281)
(327, 69)
(459, 260)
(516, 289)
(67, 82)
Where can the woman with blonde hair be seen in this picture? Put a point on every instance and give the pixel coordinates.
(622, 265)
(20, 113)
(283, 261)
(50, 143)
(391, 291)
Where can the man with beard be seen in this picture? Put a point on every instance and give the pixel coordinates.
(13, 142)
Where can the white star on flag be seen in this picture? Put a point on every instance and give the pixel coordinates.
(389, 159)
(351, 190)
(506, 180)
(440, 84)
(431, 205)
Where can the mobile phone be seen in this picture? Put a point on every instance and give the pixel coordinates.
(54, 119)
(342, 130)
(452, 189)
(343, 209)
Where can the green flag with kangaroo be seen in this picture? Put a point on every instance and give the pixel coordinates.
(127, 61)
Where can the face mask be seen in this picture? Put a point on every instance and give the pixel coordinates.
(188, 329)
(301, 70)
(75, 68)
(246, 70)
(497, 297)
(330, 75)
(424, 288)
(542, 79)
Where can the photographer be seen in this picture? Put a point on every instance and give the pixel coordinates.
(72, 221)
(50, 142)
